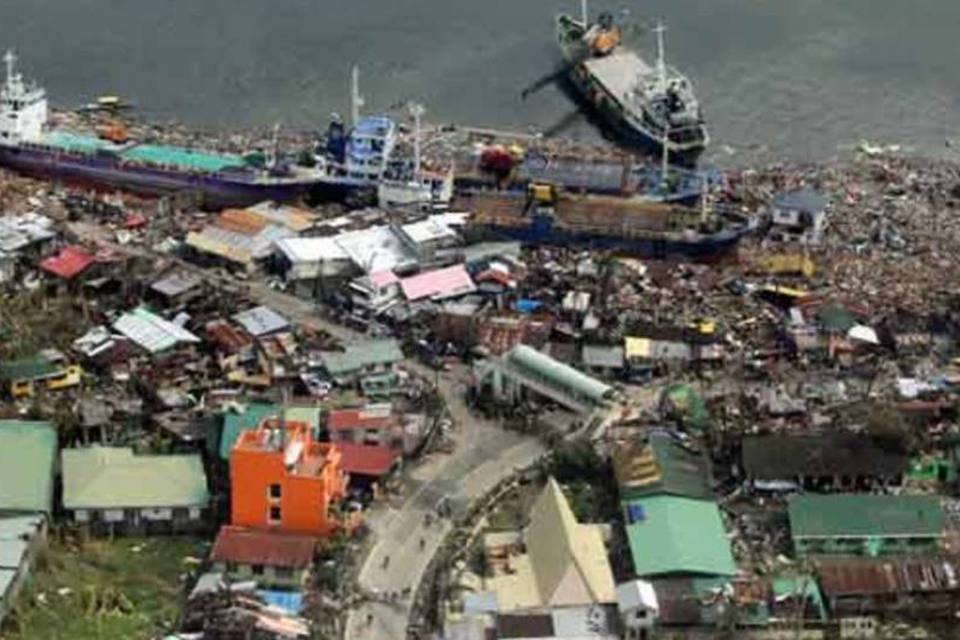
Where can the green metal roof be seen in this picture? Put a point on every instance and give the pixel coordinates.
(27, 369)
(181, 157)
(115, 478)
(562, 374)
(310, 415)
(28, 452)
(864, 515)
(359, 355)
(682, 472)
(236, 422)
(671, 535)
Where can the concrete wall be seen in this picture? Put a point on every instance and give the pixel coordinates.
(269, 577)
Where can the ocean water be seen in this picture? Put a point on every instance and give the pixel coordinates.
(798, 79)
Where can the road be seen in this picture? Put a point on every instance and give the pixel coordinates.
(484, 453)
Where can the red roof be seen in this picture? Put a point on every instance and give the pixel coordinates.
(366, 459)
(346, 419)
(250, 546)
(69, 263)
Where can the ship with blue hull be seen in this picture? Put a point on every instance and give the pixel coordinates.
(630, 226)
(216, 180)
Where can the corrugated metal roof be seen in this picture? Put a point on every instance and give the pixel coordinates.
(152, 332)
(311, 249)
(438, 284)
(298, 220)
(865, 515)
(27, 455)
(115, 478)
(69, 263)
(662, 466)
(671, 535)
(359, 355)
(175, 284)
(594, 355)
(888, 576)
(246, 222)
(371, 417)
(250, 546)
(17, 232)
(261, 321)
(365, 459)
(245, 418)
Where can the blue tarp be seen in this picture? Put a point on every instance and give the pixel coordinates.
(528, 306)
(291, 601)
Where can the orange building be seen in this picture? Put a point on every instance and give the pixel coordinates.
(282, 479)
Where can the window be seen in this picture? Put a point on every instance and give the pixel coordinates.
(256, 569)
(275, 492)
(274, 515)
(231, 567)
(284, 573)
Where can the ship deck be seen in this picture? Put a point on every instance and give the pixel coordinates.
(157, 155)
(600, 214)
(618, 72)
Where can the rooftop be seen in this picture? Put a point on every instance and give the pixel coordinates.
(378, 416)
(261, 321)
(114, 478)
(359, 355)
(661, 466)
(150, 331)
(675, 535)
(28, 453)
(865, 515)
(69, 263)
(438, 284)
(242, 418)
(832, 454)
(559, 373)
(366, 459)
(249, 546)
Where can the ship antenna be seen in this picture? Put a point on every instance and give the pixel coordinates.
(661, 64)
(356, 100)
(664, 156)
(417, 111)
(275, 146)
(11, 59)
(583, 12)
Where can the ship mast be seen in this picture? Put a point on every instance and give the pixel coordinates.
(10, 58)
(356, 100)
(417, 111)
(661, 64)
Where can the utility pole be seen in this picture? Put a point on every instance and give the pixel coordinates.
(583, 12)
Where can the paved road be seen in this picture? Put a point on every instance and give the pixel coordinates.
(484, 454)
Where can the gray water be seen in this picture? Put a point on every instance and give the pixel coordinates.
(793, 79)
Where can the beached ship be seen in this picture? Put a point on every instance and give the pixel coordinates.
(634, 226)
(649, 106)
(28, 146)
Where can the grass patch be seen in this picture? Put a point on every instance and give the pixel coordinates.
(127, 588)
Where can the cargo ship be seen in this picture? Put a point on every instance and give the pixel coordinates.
(506, 169)
(633, 226)
(28, 146)
(652, 107)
